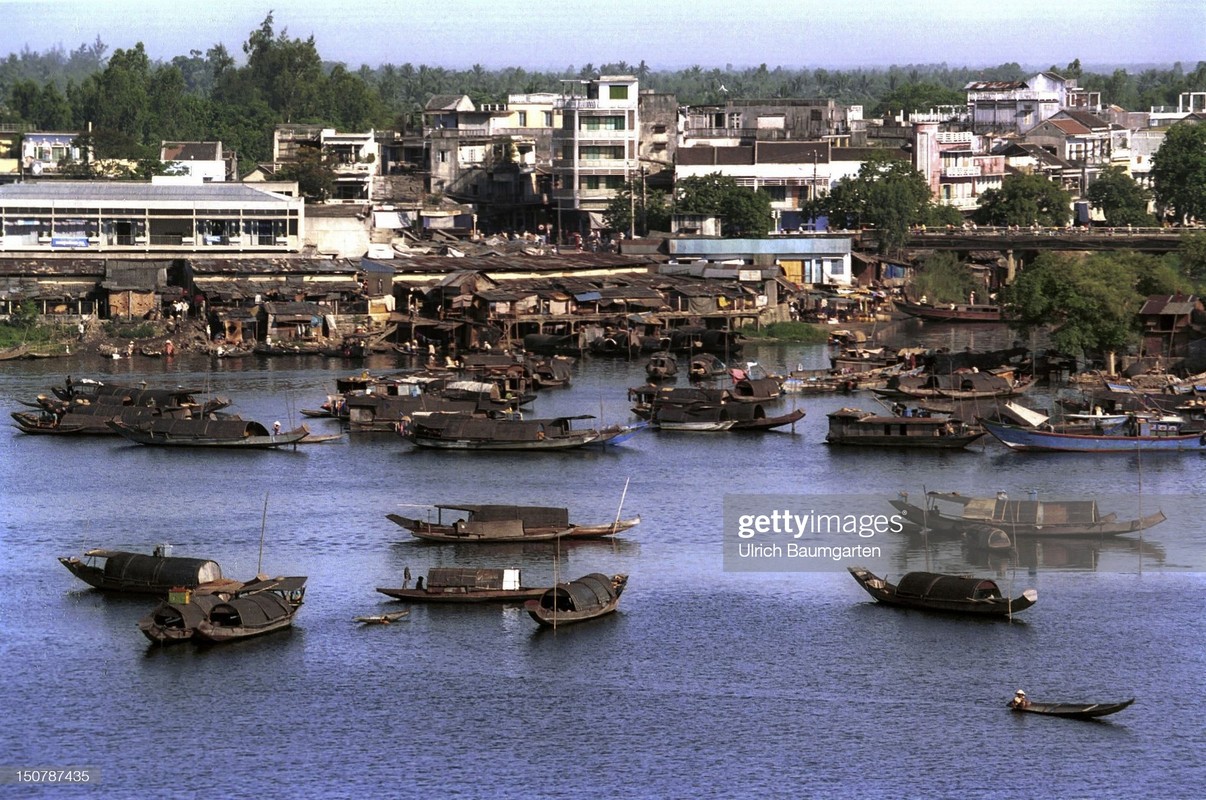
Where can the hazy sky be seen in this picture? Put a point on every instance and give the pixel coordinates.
(670, 34)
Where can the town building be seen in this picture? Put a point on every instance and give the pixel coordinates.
(595, 149)
(1017, 106)
(206, 161)
(957, 165)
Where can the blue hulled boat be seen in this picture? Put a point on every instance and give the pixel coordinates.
(1135, 434)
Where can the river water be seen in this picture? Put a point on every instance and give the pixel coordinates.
(707, 683)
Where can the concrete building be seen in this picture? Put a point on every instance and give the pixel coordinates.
(957, 165)
(595, 149)
(1018, 106)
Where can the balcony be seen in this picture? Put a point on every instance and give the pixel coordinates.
(961, 172)
(583, 104)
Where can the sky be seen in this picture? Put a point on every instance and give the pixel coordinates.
(667, 35)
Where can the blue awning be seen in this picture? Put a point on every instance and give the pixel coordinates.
(587, 297)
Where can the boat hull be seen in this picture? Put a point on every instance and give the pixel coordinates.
(464, 597)
(1028, 439)
(1073, 710)
(959, 313)
(933, 519)
(888, 594)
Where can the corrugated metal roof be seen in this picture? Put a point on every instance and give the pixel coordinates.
(92, 192)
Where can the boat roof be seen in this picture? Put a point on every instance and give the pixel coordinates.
(531, 515)
(290, 584)
(936, 586)
(589, 591)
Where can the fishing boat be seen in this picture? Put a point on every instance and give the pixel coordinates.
(138, 573)
(467, 585)
(459, 432)
(929, 591)
(954, 513)
(854, 426)
(1070, 710)
(588, 597)
(227, 433)
(949, 312)
(176, 619)
(661, 367)
(257, 608)
(505, 523)
(381, 619)
(704, 366)
(1137, 434)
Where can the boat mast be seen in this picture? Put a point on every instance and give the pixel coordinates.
(259, 567)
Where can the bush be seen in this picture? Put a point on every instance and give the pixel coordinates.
(801, 332)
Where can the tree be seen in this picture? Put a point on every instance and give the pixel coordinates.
(315, 178)
(1120, 198)
(1091, 302)
(743, 211)
(888, 194)
(1025, 200)
(650, 206)
(1191, 255)
(1179, 171)
(944, 280)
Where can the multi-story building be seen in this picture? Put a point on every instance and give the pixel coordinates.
(203, 160)
(792, 173)
(1086, 142)
(1017, 106)
(91, 217)
(44, 152)
(744, 121)
(354, 157)
(595, 149)
(496, 157)
(956, 164)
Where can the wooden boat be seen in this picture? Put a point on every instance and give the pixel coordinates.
(258, 608)
(459, 432)
(506, 523)
(588, 597)
(853, 426)
(15, 352)
(1025, 518)
(551, 373)
(381, 619)
(929, 591)
(1070, 710)
(1143, 435)
(704, 366)
(176, 619)
(951, 312)
(956, 386)
(466, 585)
(661, 367)
(84, 420)
(136, 573)
(226, 433)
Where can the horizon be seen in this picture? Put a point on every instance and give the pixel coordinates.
(503, 34)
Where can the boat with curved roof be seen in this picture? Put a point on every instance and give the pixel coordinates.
(931, 591)
(588, 597)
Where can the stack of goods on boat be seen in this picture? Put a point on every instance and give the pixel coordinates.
(253, 609)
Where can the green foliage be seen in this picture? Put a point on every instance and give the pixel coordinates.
(888, 194)
(940, 215)
(1192, 255)
(743, 211)
(1179, 171)
(650, 206)
(918, 97)
(942, 279)
(315, 177)
(1025, 200)
(24, 316)
(138, 330)
(1092, 302)
(799, 332)
(1120, 198)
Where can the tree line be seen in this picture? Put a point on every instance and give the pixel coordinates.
(131, 103)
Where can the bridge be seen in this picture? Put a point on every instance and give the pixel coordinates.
(1147, 240)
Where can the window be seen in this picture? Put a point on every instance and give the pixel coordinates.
(618, 92)
(778, 194)
(602, 123)
(443, 156)
(548, 119)
(590, 182)
(523, 119)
